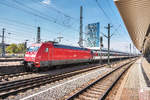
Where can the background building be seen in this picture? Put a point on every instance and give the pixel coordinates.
(92, 35)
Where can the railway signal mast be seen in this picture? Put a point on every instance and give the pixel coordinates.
(101, 46)
(38, 35)
(3, 44)
(81, 28)
(108, 37)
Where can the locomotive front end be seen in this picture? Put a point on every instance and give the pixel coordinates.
(30, 59)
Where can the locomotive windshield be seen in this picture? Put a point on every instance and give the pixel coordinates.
(32, 49)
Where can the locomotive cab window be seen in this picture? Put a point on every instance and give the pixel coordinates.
(46, 50)
(33, 49)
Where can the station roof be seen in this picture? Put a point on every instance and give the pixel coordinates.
(136, 16)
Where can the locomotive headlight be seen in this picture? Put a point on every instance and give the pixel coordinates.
(32, 55)
(37, 63)
(26, 55)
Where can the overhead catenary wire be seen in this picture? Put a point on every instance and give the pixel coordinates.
(65, 18)
(16, 33)
(22, 5)
(110, 7)
(26, 8)
(108, 2)
(16, 38)
(101, 8)
(116, 29)
(22, 26)
(15, 6)
(12, 29)
(62, 23)
(19, 26)
(52, 8)
(104, 12)
(38, 15)
(17, 22)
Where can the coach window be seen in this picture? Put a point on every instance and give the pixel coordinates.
(46, 50)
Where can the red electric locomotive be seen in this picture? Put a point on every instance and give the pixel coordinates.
(48, 54)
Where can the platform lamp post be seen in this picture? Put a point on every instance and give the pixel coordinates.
(101, 46)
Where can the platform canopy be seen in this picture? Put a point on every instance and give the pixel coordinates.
(136, 16)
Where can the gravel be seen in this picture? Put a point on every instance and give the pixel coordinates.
(59, 89)
(51, 72)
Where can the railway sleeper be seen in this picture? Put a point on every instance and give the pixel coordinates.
(83, 97)
(76, 99)
(90, 95)
(27, 85)
(102, 89)
(101, 86)
(10, 86)
(93, 92)
(97, 90)
(20, 84)
(15, 91)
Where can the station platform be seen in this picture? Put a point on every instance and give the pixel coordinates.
(136, 83)
(11, 59)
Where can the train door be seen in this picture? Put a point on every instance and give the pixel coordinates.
(47, 55)
(48, 51)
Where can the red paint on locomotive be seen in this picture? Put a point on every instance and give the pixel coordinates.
(50, 53)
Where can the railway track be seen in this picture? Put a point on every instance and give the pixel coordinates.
(5, 77)
(14, 87)
(99, 89)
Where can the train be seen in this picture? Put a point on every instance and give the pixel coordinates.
(49, 54)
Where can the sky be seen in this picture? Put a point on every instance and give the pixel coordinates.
(60, 18)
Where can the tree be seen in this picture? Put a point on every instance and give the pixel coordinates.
(12, 48)
(21, 48)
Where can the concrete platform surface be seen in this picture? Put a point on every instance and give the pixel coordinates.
(135, 85)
